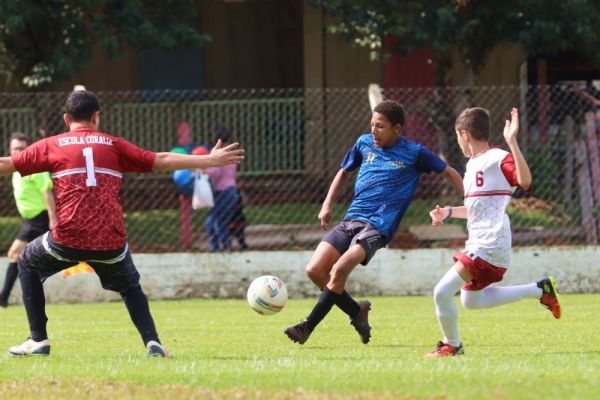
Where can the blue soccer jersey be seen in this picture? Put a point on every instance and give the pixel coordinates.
(387, 180)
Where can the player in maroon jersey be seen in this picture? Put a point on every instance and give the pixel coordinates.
(87, 167)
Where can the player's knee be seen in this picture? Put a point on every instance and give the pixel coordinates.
(470, 299)
(314, 272)
(440, 292)
(339, 273)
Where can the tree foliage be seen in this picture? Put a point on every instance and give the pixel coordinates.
(45, 40)
(542, 27)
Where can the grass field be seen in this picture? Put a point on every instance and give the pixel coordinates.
(221, 349)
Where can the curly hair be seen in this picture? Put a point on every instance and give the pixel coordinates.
(392, 110)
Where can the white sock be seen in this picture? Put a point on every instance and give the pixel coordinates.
(493, 296)
(445, 308)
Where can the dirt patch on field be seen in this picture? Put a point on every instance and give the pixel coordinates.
(51, 389)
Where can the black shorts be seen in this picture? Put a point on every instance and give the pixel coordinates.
(348, 233)
(34, 227)
(115, 268)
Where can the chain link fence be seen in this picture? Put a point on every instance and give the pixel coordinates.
(295, 141)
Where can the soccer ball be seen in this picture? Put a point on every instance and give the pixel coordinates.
(267, 295)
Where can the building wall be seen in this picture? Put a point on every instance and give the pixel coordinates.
(330, 61)
(284, 44)
(502, 67)
(256, 44)
(105, 73)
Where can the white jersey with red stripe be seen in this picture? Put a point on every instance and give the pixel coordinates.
(489, 180)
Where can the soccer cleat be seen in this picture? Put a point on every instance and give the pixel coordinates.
(361, 322)
(156, 349)
(298, 333)
(446, 350)
(3, 304)
(549, 297)
(31, 348)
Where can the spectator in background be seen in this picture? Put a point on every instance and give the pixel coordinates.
(228, 202)
(237, 223)
(35, 202)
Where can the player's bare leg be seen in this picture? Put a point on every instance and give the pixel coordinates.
(319, 267)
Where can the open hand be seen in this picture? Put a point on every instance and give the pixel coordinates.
(511, 128)
(230, 154)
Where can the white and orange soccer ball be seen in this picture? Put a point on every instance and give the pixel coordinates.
(267, 295)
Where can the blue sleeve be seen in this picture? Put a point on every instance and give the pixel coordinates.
(427, 161)
(352, 160)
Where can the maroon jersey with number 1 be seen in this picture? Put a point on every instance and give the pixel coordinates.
(87, 169)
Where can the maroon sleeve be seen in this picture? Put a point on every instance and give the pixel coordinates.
(33, 159)
(134, 158)
(509, 169)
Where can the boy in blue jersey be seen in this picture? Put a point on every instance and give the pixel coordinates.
(389, 170)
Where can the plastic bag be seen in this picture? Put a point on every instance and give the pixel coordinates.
(203, 195)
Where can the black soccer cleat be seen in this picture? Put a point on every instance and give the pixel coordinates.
(361, 322)
(298, 333)
(156, 349)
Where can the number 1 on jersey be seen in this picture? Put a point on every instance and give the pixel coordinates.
(88, 153)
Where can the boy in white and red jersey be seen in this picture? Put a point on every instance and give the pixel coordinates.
(87, 167)
(489, 178)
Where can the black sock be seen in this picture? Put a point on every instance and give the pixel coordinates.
(35, 304)
(348, 305)
(322, 308)
(139, 311)
(12, 273)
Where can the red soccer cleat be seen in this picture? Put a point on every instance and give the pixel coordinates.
(446, 350)
(549, 297)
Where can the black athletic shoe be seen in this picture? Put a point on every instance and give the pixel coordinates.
(156, 349)
(298, 333)
(361, 322)
(3, 303)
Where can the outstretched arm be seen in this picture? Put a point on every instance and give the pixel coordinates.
(6, 166)
(219, 156)
(511, 130)
(454, 178)
(334, 190)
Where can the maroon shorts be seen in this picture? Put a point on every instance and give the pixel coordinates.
(483, 273)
